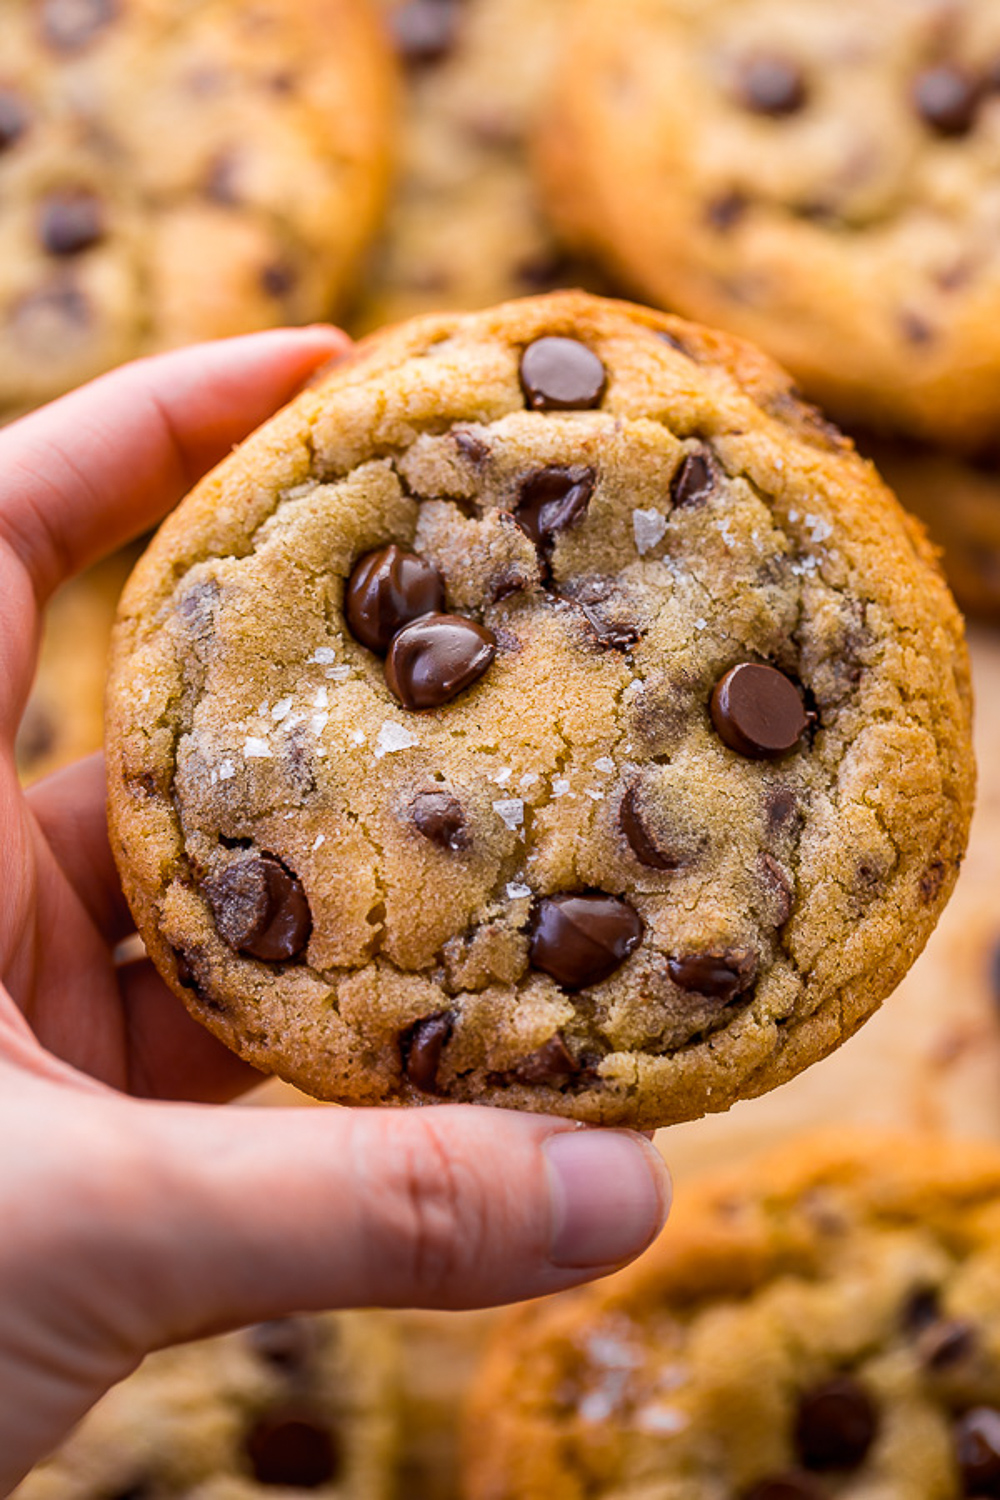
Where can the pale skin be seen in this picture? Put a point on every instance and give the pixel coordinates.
(135, 1212)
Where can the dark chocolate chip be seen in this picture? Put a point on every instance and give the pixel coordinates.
(290, 1344)
(778, 886)
(582, 939)
(836, 1425)
(945, 1344)
(470, 445)
(916, 329)
(222, 179)
(544, 270)
(292, 1446)
(421, 1046)
(640, 838)
(694, 481)
(726, 211)
(791, 1486)
(921, 1309)
(977, 1450)
(433, 660)
(13, 118)
(559, 374)
(184, 971)
(69, 25)
(388, 589)
(770, 84)
(782, 808)
(931, 881)
(71, 222)
(424, 30)
(551, 1064)
(260, 908)
(722, 975)
(439, 817)
(947, 98)
(551, 501)
(279, 279)
(758, 711)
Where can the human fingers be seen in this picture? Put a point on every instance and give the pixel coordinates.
(86, 473)
(69, 808)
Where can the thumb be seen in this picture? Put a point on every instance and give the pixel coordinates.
(259, 1212)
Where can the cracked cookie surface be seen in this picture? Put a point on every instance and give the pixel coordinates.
(837, 202)
(693, 779)
(824, 1324)
(171, 173)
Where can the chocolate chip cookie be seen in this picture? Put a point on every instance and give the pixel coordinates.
(174, 173)
(825, 1324)
(546, 710)
(820, 178)
(304, 1403)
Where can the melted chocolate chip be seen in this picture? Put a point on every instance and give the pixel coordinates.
(931, 881)
(279, 279)
(551, 501)
(921, 1309)
(470, 446)
(560, 374)
(424, 30)
(388, 589)
(758, 711)
(580, 940)
(69, 25)
(779, 888)
(183, 970)
(836, 1425)
(722, 976)
(694, 481)
(421, 1046)
(791, 1486)
(439, 817)
(433, 660)
(551, 1064)
(770, 84)
(640, 838)
(289, 1344)
(945, 1344)
(916, 329)
(977, 1450)
(947, 99)
(782, 808)
(71, 222)
(726, 211)
(13, 118)
(292, 1446)
(260, 908)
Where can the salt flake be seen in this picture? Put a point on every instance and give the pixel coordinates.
(281, 709)
(511, 810)
(502, 777)
(516, 889)
(337, 674)
(226, 770)
(322, 699)
(560, 786)
(528, 779)
(324, 655)
(648, 526)
(320, 840)
(393, 737)
(256, 749)
(358, 737)
(605, 764)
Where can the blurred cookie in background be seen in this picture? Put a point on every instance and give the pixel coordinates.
(467, 226)
(167, 177)
(303, 1403)
(822, 179)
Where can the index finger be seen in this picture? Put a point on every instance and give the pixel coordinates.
(100, 466)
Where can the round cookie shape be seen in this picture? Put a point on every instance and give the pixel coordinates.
(775, 1344)
(171, 175)
(833, 202)
(524, 857)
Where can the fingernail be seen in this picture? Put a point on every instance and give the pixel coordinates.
(610, 1196)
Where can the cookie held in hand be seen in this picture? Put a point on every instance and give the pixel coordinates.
(545, 710)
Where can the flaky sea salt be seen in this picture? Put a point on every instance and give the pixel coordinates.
(502, 777)
(593, 792)
(516, 889)
(819, 529)
(256, 748)
(322, 698)
(281, 709)
(648, 527)
(605, 764)
(318, 723)
(358, 737)
(511, 810)
(226, 770)
(320, 841)
(393, 737)
(528, 779)
(337, 674)
(660, 1419)
(324, 655)
(560, 786)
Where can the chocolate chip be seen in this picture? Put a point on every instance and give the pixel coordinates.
(946, 1343)
(977, 1450)
(387, 590)
(71, 222)
(791, 1486)
(782, 808)
(183, 970)
(947, 98)
(470, 446)
(260, 908)
(726, 211)
(931, 881)
(290, 1344)
(439, 817)
(722, 975)
(559, 374)
(292, 1446)
(769, 84)
(694, 481)
(551, 501)
(222, 179)
(916, 329)
(424, 30)
(639, 836)
(421, 1046)
(433, 660)
(71, 24)
(836, 1425)
(279, 279)
(13, 118)
(758, 711)
(606, 608)
(552, 1064)
(921, 1309)
(582, 939)
(778, 887)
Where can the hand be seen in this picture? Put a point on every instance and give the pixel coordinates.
(131, 1222)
